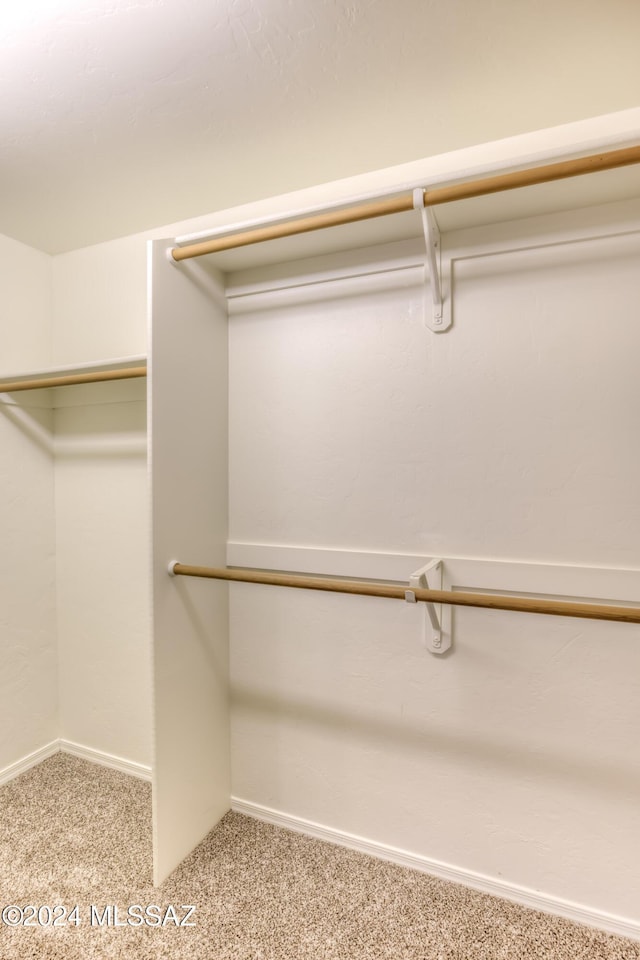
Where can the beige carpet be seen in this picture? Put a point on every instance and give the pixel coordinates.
(74, 833)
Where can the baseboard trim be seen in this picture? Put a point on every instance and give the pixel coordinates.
(129, 767)
(468, 878)
(133, 769)
(31, 760)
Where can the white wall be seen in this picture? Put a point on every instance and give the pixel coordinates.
(74, 502)
(102, 542)
(100, 302)
(28, 678)
(26, 308)
(102, 505)
(512, 437)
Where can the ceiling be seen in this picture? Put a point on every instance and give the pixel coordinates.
(121, 115)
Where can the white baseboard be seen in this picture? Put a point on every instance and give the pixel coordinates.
(76, 750)
(498, 888)
(139, 770)
(31, 760)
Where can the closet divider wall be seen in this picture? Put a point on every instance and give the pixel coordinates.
(188, 462)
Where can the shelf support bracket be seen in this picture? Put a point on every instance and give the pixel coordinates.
(429, 577)
(437, 321)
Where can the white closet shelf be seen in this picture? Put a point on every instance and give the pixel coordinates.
(124, 365)
(560, 196)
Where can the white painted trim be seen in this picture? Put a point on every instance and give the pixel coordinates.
(400, 263)
(560, 580)
(389, 261)
(360, 564)
(130, 767)
(573, 583)
(31, 760)
(534, 899)
(329, 288)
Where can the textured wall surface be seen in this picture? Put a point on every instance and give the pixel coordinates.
(26, 308)
(100, 302)
(102, 548)
(506, 437)
(102, 504)
(28, 673)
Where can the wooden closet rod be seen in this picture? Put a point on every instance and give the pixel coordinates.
(557, 608)
(401, 204)
(67, 380)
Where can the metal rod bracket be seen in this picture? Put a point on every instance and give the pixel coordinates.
(429, 577)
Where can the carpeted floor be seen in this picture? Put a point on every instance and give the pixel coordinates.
(74, 833)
